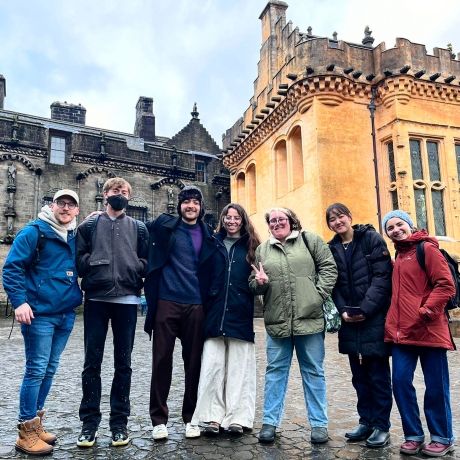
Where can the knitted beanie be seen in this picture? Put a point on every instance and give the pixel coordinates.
(397, 213)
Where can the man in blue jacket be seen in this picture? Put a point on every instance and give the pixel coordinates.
(182, 279)
(40, 279)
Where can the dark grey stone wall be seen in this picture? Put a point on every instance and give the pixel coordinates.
(68, 112)
(92, 156)
(145, 119)
(2, 90)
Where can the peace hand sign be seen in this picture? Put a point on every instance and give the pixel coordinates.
(261, 277)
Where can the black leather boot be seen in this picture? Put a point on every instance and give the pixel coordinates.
(378, 438)
(360, 433)
(267, 433)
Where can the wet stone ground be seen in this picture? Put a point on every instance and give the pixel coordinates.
(292, 439)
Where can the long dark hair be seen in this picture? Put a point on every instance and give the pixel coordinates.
(246, 228)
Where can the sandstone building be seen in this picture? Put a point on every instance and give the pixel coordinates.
(375, 128)
(39, 156)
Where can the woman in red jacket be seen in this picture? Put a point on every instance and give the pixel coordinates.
(417, 326)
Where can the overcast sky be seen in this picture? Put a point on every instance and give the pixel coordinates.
(104, 54)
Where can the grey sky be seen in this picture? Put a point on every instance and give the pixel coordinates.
(105, 54)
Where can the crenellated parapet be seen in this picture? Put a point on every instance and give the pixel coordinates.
(335, 70)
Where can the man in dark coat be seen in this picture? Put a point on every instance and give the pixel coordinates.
(181, 280)
(111, 259)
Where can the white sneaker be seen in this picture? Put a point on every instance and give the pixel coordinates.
(192, 431)
(159, 432)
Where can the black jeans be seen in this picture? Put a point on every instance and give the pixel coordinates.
(123, 318)
(372, 382)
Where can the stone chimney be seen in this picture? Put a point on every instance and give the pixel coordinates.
(273, 20)
(2, 90)
(273, 11)
(145, 119)
(68, 112)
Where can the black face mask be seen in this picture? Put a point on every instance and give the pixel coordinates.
(117, 202)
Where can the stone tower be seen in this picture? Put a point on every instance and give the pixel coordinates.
(374, 128)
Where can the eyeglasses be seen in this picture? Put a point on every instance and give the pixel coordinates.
(232, 218)
(62, 204)
(279, 220)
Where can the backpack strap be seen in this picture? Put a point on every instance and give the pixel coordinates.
(142, 234)
(91, 224)
(420, 252)
(40, 244)
(305, 240)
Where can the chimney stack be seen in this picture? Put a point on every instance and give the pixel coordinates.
(2, 90)
(145, 119)
(68, 112)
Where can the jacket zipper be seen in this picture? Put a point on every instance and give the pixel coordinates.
(113, 261)
(352, 295)
(398, 310)
(230, 260)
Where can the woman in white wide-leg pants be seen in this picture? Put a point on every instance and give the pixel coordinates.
(227, 389)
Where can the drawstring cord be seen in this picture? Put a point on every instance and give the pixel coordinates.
(11, 330)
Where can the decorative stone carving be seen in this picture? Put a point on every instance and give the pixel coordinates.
(11, 175)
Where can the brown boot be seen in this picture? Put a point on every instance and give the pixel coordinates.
(49, 438)
(28, 440)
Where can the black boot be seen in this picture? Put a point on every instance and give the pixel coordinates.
(360, 433)
(267, 433)
(378, 438)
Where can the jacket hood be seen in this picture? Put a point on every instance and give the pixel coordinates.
(359, 229)
(46, 215)
(416, 237)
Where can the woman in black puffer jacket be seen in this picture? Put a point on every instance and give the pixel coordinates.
(362, 295)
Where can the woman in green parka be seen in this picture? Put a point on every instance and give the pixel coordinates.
(294, 279)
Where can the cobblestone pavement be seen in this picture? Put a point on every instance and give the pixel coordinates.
(293, 436)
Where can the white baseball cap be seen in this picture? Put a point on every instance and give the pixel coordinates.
(66, 192)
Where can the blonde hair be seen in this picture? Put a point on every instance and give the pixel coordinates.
(116, 182)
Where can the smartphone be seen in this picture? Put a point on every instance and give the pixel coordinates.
(353, 311)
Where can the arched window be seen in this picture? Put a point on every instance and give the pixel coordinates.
(281, 175)
(240, 188)
(251, 188)
(392, 169)
(295, 142)
(428, 185)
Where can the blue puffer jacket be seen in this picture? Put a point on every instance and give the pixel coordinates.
(49, 285)
(231, 315)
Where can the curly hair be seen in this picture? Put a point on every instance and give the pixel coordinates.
(294, 221)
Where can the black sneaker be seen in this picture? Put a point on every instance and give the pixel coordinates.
(87, 437)
(120, 437)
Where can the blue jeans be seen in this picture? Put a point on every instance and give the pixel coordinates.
(123, 318)
(44, 341)
(310, 355)
(437, 396)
